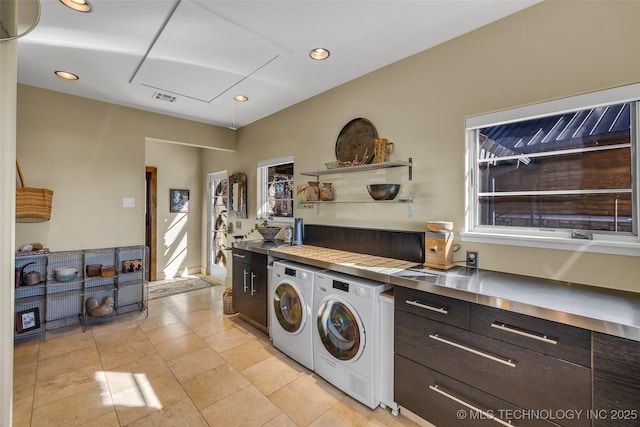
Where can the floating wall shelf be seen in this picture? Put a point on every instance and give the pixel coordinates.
(363, 168)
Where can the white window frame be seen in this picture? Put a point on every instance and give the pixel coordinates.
(263, 191)
(606, 243)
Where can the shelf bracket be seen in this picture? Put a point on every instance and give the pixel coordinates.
(410, 169)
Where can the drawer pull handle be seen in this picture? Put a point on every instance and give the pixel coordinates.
(507, 328)
(239, 256)
(507, 362)
(440, 310)
(486, 415)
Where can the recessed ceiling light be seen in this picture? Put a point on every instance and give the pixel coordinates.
(79, 5)
(66, 75)
(241, 98)
(319, 54)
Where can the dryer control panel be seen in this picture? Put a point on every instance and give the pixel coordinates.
(352, 288)
(303, 275)
(341, 286)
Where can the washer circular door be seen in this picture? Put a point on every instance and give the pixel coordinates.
(340, 329)
(289, 307)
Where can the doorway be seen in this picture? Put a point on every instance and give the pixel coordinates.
(151, 231)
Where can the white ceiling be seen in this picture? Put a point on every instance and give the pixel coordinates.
(203, 52)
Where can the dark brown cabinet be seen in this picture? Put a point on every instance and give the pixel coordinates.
(446, 402)
(453, 356)
(250, 285)
(616, 381)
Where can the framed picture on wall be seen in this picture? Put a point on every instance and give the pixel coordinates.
(178, 200)
(27, 320)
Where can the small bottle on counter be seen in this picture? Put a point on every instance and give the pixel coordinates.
(288, 234)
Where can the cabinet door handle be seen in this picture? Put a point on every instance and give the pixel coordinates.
(507, 362)
(532, 335)
(244, 278)
(253, 290)
(440, 310)
(239, 256)
(485, 414)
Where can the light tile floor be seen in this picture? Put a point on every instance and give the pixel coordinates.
(186, 364)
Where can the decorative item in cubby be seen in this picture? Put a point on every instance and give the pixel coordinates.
(131, 266)
(27, 320)
(93, 270)
(108, 271)
(99, 310)
(65, 274)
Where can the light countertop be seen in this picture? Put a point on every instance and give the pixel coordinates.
(590, 307)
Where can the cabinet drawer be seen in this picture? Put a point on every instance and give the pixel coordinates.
(446, 402)
(241, 255)
(523, 377)
(551, 338)
(443, 309)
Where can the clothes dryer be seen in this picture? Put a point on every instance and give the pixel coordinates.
(346, 336)
(290, 303)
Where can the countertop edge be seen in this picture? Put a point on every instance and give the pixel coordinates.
(631, 332)
(628, 331)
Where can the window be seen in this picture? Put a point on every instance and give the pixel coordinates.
(275, 189)
(561, 174)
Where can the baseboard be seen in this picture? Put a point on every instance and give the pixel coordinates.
(160, 275)
(415, 418)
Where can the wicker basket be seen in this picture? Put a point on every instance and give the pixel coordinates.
(94, 270)
(32, 204)
(108, 270)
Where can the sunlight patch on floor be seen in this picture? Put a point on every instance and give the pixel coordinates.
(139, 394)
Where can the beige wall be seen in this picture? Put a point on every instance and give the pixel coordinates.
(92, 155)
(552, 50)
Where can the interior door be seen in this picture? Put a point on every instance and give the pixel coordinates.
(151, 236)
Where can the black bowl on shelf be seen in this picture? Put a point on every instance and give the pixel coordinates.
(383, 191)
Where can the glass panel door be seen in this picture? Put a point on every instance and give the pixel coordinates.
(218, 241)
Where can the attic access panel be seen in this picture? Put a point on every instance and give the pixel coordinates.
(201, 55)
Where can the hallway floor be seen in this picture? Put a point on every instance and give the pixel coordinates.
(186, 364)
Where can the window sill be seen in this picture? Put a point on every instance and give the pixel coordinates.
(628, 248)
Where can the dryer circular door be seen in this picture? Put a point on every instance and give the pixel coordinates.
(289, 307)
(340, 329)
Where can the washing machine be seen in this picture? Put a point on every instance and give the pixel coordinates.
(346, 335)
(290, 302)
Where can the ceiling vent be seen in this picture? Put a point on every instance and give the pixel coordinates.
(164, 97)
